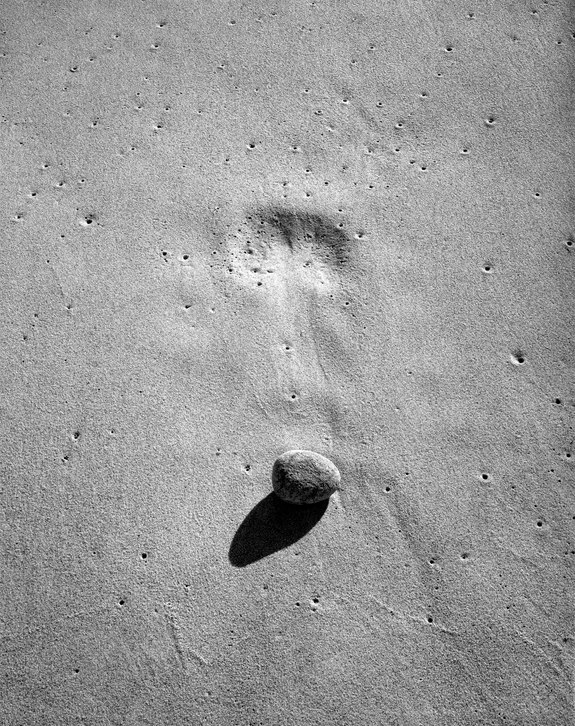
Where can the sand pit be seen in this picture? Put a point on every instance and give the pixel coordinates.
(233, 230)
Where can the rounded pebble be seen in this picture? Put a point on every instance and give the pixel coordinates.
(304, 477)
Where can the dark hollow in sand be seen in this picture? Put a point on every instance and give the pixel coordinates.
(304, 477)
(302, 228)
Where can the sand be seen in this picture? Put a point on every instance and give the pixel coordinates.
(232, 230)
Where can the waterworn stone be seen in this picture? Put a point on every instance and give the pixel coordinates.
(304, 477)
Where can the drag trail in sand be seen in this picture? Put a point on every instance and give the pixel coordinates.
(299, 259)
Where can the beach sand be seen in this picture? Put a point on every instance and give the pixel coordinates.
(232, 230)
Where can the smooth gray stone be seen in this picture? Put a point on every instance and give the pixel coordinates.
(304, 477)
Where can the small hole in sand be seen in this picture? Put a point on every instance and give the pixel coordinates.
(485, 477)
(121, 602)
(539, 523)
(557, 401)
(449, 49)
(144, 555)
(429, 619)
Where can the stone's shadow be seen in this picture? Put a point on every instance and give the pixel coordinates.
(270, 526)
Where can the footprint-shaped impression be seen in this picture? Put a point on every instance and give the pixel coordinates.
(288, 251)
(301, 265)
(304, 477)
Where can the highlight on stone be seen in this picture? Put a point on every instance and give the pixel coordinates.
(304, 477)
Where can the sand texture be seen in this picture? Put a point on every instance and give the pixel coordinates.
(236, 229)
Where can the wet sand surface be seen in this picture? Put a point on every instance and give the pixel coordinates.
(232, 230)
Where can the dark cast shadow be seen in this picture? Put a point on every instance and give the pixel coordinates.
(272, 525)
